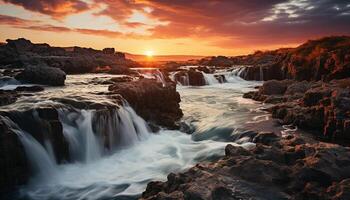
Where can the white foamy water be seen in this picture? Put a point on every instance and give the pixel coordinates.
(135, 156)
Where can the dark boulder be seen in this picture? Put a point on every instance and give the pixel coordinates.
(7, 97)
(151, 100)
(190, 77)
(274, 87)
(42, 75)
(29, 89)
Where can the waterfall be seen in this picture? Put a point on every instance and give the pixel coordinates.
(240, 71)
(183, 80)
(77, 129)
(90, 133)
(233, 78)
(160, 77)
(40, 158)
(210, 79)
(261, 74)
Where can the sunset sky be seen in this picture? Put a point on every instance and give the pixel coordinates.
(197, 27)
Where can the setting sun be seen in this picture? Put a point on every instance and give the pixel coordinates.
(149, 53)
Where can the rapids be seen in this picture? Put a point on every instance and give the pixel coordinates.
(135, 155)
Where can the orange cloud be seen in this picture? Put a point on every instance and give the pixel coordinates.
(55, 8)
(221, 23)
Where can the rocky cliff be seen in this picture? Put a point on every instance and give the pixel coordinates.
(323, 59)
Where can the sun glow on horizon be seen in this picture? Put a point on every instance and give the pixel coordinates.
(149, 53)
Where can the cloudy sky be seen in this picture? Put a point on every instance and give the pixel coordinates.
(196, 27)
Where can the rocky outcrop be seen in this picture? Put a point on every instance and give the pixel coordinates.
(72, 60)
(218, 61)
(323, 59)
(42, 75)
(318, 106)
(42, 124)
(190, 77)
(288, 168)
(151, 100)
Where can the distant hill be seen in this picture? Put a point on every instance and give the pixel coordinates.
(161, 58)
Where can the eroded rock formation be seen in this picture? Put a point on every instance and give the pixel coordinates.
(287, 168)
(318, 106)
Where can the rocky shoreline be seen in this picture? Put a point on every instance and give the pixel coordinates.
(276, 165)
(276, 168)
(307, 88)
(157, 104)
(322, 107)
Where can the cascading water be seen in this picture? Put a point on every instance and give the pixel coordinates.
(42, 161)
(182, 80)
(261, 73)
(119, 128)
(99, 173)
(160, 77)
(210, 79)
(112, 154)
(240, 71)
(152, 73)
(77, 129)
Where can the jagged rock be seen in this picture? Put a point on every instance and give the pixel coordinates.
(314, 96)
(274, 87)
(317, 106)
(298, 87)
(287, 168)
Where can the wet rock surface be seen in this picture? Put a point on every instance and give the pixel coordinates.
(41, 74)
(7, 97)
(190, 77)
(276, 168)
(151, 100)
(323, 107)
(42, 124)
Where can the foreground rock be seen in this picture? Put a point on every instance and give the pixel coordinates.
(318, 106)
(7, 97)
(288, 168)
(42, 124)
(151, 100)
(42, 75)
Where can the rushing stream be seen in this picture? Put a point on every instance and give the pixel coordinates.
(213, 113)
